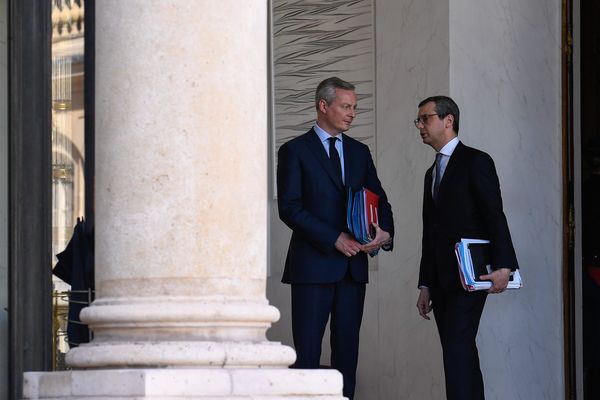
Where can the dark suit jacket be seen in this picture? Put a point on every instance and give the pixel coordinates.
(312, 202)
(75, 266)
(469, 205)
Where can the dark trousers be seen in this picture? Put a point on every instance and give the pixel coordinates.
(312, 304)
(457, 315)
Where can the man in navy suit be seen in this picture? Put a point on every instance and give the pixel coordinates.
(325, 265)
(461, 200)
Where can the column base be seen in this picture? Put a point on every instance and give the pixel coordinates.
(201, 384)
(181, 355)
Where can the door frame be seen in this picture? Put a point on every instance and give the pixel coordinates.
(30, 195)
(571, 196)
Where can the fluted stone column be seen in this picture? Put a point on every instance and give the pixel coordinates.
(181, 218)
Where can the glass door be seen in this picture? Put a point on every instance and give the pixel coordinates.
(68, 167)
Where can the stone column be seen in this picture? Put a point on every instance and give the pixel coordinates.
(181, 218)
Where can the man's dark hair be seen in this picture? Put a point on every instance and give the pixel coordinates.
(444, 106)
(326, 90)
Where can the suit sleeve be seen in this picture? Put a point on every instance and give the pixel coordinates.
(486, 188)
(290, 204)
(386, 218)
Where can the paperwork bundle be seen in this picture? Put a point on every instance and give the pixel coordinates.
(474, 260)
(362, 214)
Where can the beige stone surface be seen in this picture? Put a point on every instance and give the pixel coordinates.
(205, 384)
(181, 147)
(181, 186)
(228, 354)
(183, 318)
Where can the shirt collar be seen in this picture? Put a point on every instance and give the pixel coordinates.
(324, 135)
(448, 149)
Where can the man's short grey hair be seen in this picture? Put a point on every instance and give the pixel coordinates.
(326, 90)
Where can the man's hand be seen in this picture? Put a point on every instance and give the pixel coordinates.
(424, 303)
(381, 238)
(499, 280)
(346, 245)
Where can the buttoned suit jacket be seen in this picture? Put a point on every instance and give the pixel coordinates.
(469, 205)
(312, 203)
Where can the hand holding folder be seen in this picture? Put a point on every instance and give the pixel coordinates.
(474, 260)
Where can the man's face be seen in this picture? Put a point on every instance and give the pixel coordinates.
(432, 128)
(338, 116)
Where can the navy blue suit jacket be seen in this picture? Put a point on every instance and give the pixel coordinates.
(469, 205)
(312, 202)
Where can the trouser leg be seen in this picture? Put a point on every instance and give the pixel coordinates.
(457, 315)
(346, 317)
(311, 305)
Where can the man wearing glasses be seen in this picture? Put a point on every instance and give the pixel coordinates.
(461, 200)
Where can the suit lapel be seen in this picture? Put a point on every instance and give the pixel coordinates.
(316, 147)
(349, 154)
(428, 184)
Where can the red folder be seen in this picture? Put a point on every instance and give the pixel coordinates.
(371, 211)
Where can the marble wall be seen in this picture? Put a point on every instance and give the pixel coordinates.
(501, 62)
(412, 63)
(507, 79)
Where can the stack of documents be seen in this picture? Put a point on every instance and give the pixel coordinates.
(362, 214)
(474, 260)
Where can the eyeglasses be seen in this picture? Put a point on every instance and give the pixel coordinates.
(423, 119)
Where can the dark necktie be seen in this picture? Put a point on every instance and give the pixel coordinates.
(438, 175)
(335, 157)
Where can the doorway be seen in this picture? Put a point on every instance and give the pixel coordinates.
(590, 195)
(50, 165)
